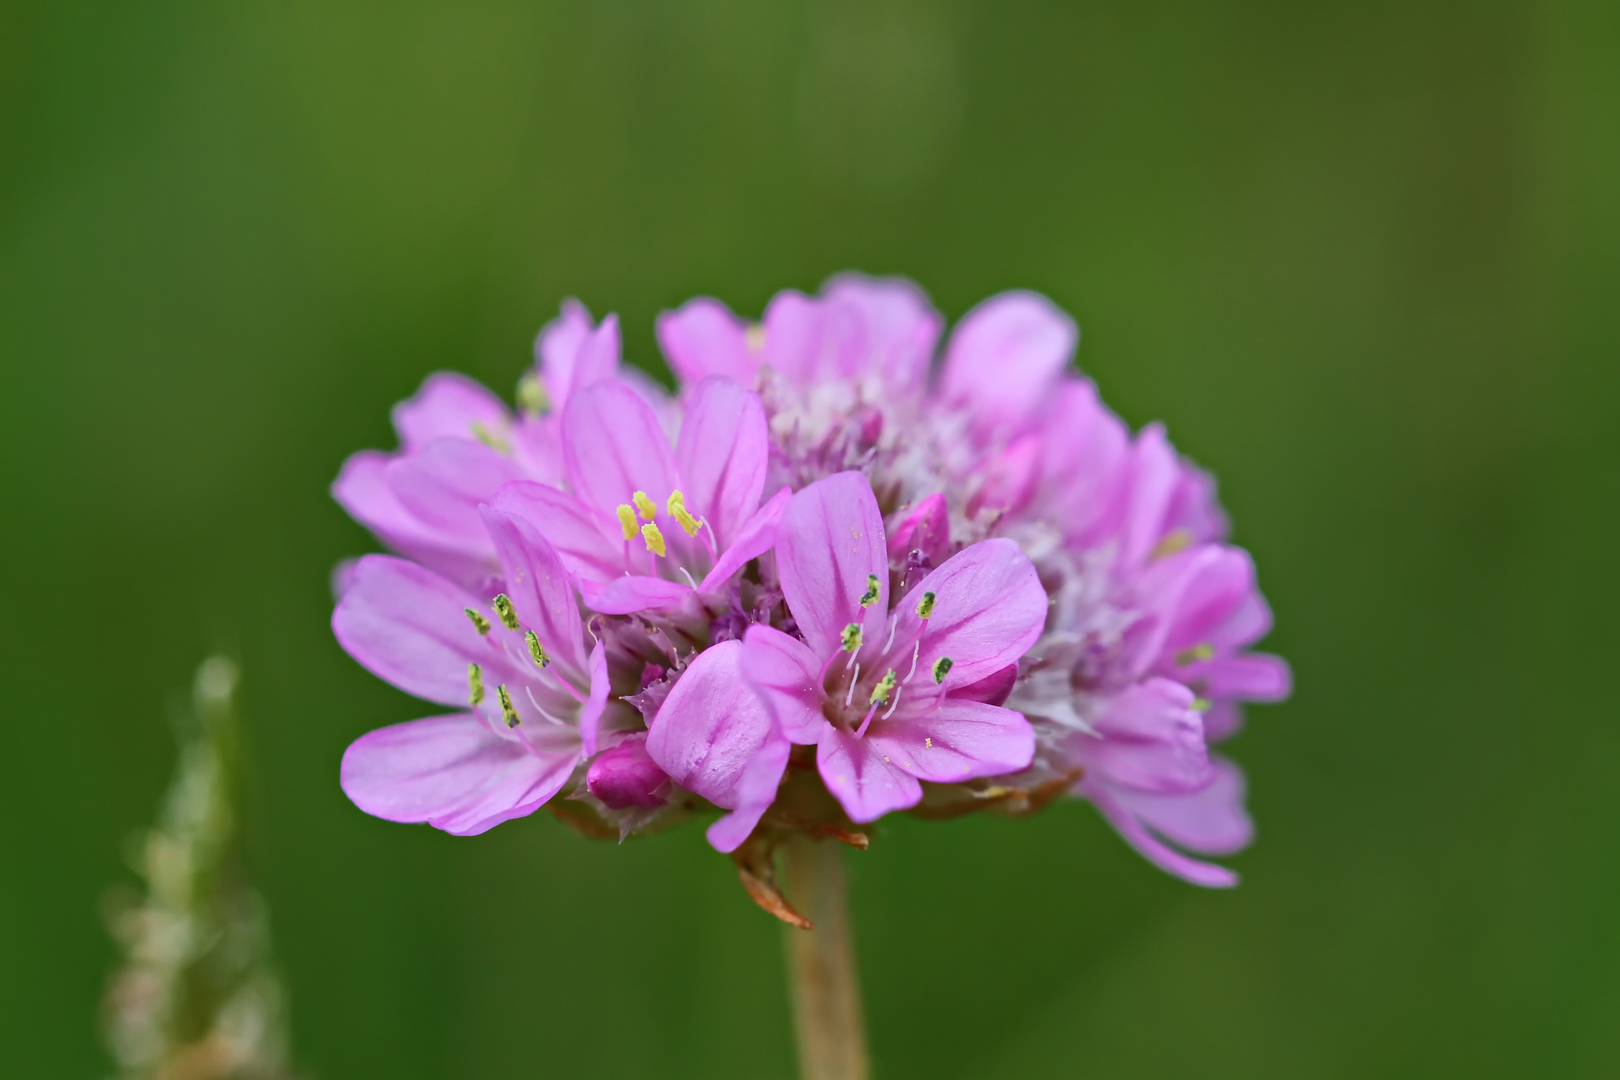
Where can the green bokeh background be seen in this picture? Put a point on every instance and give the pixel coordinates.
(1363, 258)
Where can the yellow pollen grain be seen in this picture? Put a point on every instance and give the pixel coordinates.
(654, 539)
(645, 505)
(627, 521)
(928, 741)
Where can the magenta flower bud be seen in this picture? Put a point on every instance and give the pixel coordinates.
(625, 776)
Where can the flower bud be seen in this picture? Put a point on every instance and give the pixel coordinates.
(625, 776)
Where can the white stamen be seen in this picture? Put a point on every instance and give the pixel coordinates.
(543, 712)
(916, 650)
(893, 705)
(687, 575)
(894, 624)
(849, 695)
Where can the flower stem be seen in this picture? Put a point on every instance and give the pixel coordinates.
(821, 962)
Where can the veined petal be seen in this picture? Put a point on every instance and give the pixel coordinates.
(829, 545)
(542, 591)
(954, 740)
(453, 772)
(443, 483)
(988, 610)
(630, 593)
(407, 625)
(784, 670)
(590, 712)
(702, 338)
(614, 447)
(755, 538)
(722, 453)
(363, 489)
(866, 781)
(1006, 353)
(1210, 821)
(571, 527)
(754, 794)
(449, 404)
(710, 726)
(926, 527)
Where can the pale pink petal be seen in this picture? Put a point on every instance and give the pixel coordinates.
(710, 726)
(722, 454)
(1150, 738)
(1210, 821)
(572, 528)
(866, 782)
(408, 625)
(1154, 474)
(590, 710)
(573, 355)
(449, 405)
(541, 591)
(954, 740)
(443, 483)
(363, 489)
(901, 327)
(1085, 451)
(755, 538)
(1009, 476)
(926, 527)
(453, 772)
(989, 608)
(613, 446)
(1006, 354)
(634, 592)
(1211, 596)
(828, 544)
(1166, 858)
(784, 670)
(1251, 677)
(754, 794)
(702, 338)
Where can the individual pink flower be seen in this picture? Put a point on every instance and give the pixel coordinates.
(459, 444)
(891, 698)
(647, 525)
(514, 662)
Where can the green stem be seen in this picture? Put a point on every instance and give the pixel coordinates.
(821, 962)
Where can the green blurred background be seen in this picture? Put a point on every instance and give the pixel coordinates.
(1363, 258)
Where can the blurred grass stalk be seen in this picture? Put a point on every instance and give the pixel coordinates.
(197, 997)
(821, 964)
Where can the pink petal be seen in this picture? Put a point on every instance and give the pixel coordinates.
(630, 593)
(1251, 677)
(363, 489)
(755, 538)
(901, 327)
(989, 608)
(448, 405)
(613, 447)
(710, 726)
(541, 591)
(926, 527)
(755, 793)
(993, 689)
(1209, 597)
(407, 625)
(828, 543)
(590, 711)
(1209, 875)
(1006, 354)
(1151, 739)
(1210, 821)
(572, 355)
(954, 740)
(443, 483)
(1085, 450)
(571, 527)
(722, 453)
(784, 670)
(1154, 474)
(703, 338)
(865, 783)
(808, 339)
(454, 772)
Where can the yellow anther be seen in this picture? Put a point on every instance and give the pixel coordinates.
(654, 539)
(536, 650)
(490, 438)
(475, 684)
(754, 337)
(480, 623)
(507, 711)
(925, 606)
(531, 395)
(1202, 651)
(1201, 704)
(942, 668)
(885, 687)
(503, 607)
(928, 741)
(648, 508)
(870, 596)
(1177, 540)
(627, 521)
(677, 510)
(850, 639)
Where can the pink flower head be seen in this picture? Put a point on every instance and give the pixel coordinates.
(647, 525)
(515, 663)
(888, 697)
(459, 444)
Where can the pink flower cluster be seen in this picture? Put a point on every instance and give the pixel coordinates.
(825, 580)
